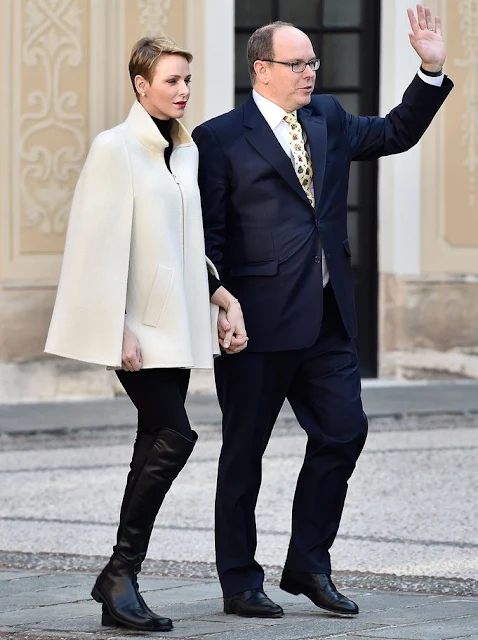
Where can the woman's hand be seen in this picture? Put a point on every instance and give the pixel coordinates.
(132, 360)
(230, 323)
(232, 331)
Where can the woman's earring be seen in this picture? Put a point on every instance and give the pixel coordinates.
(143, 94)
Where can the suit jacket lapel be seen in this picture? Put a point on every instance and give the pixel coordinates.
(262, 138)
(316, 132)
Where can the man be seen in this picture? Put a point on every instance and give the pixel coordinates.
(274, 179)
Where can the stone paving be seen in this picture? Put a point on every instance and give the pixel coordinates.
(407, 549)
(57, 605)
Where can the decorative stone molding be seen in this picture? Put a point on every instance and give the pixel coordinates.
(51, 46)
(153, 15)
(468, 12)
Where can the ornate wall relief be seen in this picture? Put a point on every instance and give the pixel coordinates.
(153, 15)
(52, 87)
(64, 75)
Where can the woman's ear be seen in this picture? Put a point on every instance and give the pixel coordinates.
(140, 85)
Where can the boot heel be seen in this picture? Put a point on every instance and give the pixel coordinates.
(107, 621)
(95, 594)
(228, 607)
(106, 618)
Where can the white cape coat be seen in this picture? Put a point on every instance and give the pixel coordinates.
(135, 243)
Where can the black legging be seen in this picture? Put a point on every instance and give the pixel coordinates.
(159, 396)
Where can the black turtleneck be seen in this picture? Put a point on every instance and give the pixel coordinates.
(164, 127)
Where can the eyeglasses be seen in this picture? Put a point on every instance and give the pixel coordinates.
(299, 67)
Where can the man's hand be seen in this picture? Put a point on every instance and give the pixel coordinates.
(426, 38)
(232, 332)
(132, 360)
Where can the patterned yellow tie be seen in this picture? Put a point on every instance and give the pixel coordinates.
(302, 163)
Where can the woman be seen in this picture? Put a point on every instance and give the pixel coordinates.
(133, 295)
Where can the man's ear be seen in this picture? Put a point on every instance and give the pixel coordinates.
(262, 71)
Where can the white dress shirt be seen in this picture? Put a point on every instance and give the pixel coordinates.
(274, 116)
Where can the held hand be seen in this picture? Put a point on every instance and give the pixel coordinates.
(232, 332)
(132, 360)
(426, 38)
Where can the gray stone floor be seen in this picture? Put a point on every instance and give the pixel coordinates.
(56, 605)
(407, 549)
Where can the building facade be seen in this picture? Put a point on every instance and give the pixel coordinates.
(413, 219)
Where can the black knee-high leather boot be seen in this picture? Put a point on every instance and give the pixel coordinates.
(142, 446)
(116, 586)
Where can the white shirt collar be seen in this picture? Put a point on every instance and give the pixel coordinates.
(273, 114)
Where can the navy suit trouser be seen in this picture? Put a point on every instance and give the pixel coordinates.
(322, 384)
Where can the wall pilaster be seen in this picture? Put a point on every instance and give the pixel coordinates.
(428, 314)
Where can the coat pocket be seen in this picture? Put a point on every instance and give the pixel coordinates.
(158, 296)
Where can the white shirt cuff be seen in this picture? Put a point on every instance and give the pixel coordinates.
(437, 81)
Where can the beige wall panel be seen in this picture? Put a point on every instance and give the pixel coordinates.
(46, 111)
(450, 154)
(461, 134)
(176, 24)
(151, 17)
(5, 136)
(195, 42)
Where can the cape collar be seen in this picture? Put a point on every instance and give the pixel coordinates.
(144, 128)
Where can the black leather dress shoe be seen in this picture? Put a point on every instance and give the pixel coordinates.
(319, 588)
(252, 604)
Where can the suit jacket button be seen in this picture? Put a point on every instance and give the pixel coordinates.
(317, 259)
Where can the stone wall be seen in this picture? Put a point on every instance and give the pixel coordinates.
(63, 79)
(429, 302)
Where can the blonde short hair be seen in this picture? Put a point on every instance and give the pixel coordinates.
(145, 54)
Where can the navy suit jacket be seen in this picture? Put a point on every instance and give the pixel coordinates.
(262, 233)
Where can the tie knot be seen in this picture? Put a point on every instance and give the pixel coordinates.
(291, 119)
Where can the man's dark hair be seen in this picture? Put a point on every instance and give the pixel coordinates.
(261, 46)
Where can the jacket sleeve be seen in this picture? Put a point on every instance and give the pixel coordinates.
(370, 138)
(212, 278)
(88, 317)
(214, 188)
